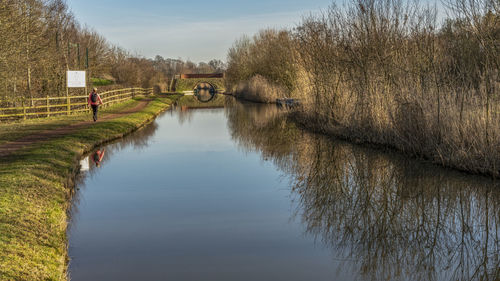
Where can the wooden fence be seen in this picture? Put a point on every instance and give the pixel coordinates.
(49, 106)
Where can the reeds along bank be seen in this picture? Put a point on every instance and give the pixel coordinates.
(388, 72)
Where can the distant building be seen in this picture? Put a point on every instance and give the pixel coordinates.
(197, 76)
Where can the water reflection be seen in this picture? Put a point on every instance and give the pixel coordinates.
(98, 155)
(187, 208)
(138, 140)
(384, 216)
(204, 92)
(91, 162)
(187, 105)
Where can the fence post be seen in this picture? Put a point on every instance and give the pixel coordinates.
(48, 106)
(24, 109)
(68, 108)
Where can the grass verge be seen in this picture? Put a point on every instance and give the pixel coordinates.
(36, 188)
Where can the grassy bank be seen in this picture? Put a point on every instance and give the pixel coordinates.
(36, 188)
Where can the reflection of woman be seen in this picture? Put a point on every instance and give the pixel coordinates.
(97, 157)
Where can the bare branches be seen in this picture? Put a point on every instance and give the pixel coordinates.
(41, 39)
(383, 71)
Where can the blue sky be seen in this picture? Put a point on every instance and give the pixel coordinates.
(188, 29)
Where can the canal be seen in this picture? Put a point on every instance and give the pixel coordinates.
(241, 193)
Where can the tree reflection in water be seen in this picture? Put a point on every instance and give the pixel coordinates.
(386, 217)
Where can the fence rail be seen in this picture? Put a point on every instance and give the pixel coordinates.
(49, 106)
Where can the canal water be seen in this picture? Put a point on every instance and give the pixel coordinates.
(241, 193)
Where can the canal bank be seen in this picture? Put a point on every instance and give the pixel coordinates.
(36, 189)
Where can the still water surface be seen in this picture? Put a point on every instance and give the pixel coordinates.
(239, 193)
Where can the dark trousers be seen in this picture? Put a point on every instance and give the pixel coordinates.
(94, 109)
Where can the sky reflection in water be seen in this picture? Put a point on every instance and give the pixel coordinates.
(241, 194)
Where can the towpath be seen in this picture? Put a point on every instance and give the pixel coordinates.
(27, 141)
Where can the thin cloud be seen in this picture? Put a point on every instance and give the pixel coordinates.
(195, 40)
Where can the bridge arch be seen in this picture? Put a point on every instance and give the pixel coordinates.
(205, 91)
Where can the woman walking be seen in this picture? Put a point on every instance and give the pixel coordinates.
(94, 101)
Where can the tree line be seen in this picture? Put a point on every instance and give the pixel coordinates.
(41, 40)
(391, 72)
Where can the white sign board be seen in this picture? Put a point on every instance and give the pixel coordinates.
(76, 79)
